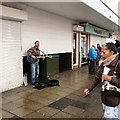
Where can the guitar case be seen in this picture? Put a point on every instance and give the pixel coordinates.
(46, 83)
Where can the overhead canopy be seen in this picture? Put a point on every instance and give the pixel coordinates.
(77, 11)
(71, 9)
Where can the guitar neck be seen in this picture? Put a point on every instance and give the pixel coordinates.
(48, 56)
(39, 57)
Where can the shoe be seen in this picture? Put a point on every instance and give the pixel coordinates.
(32, 83)
(33, 86)
(92, 73)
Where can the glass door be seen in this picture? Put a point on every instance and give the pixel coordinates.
(84, 50)
(74, 47)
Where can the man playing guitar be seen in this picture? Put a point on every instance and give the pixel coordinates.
(33, 57)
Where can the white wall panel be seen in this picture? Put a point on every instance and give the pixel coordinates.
(103, 40)
(11, 55)
(94, 40)
(54, 32)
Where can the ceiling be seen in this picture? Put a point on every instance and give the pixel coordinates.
(76, 11)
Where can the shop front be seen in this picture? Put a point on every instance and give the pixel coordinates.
(80, 46)
(97, 35)
(84, 36)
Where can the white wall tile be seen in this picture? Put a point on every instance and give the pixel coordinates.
(54, 32)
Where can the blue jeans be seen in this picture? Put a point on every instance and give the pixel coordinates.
(34, 72)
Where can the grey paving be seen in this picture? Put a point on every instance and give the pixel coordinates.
(64, 101)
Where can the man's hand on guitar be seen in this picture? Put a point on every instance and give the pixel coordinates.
(33, 57)
(43, 57)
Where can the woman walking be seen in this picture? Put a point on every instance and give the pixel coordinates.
(110, 92)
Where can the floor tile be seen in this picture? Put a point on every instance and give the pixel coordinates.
(79, 98)
(44, 101)
(62, 115)
(61, 104)
(63, 94)
(13, 97)
(73, 110)
(54, 97)
(5, 101)
(91, 114)
(33, 106)
(80, 104)
(6, 114)
(21, 111)
(14, 91)
(35, 114)
(47, 111)
(64, 102)
(10, 106)
(22, 101)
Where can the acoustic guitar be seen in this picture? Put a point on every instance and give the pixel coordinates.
(33, 60)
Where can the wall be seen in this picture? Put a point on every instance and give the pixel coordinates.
(94, 40)
(54, 32)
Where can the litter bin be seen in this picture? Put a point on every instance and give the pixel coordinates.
(50, 66)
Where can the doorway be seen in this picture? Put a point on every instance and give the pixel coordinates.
(84, 44)
(75, 50)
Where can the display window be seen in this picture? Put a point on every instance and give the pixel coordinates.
(84, 50)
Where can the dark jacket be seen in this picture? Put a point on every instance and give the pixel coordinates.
(108, 99)
(98, 55)
(35, 52)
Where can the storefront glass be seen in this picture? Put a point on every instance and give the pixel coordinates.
(84, 51)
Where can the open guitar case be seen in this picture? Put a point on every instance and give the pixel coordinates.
(46, 83)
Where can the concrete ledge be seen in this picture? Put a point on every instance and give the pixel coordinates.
(12, 13)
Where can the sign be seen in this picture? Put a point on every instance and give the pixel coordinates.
(96, 30)
(78, 28)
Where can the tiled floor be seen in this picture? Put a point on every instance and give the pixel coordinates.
(64, 101)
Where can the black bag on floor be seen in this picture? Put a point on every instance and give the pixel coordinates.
(46, 83)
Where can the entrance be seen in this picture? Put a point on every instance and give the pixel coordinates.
(80, 49)
(75, 50)
(83, 49)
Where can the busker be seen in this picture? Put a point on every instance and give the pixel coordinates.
(33, 58)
